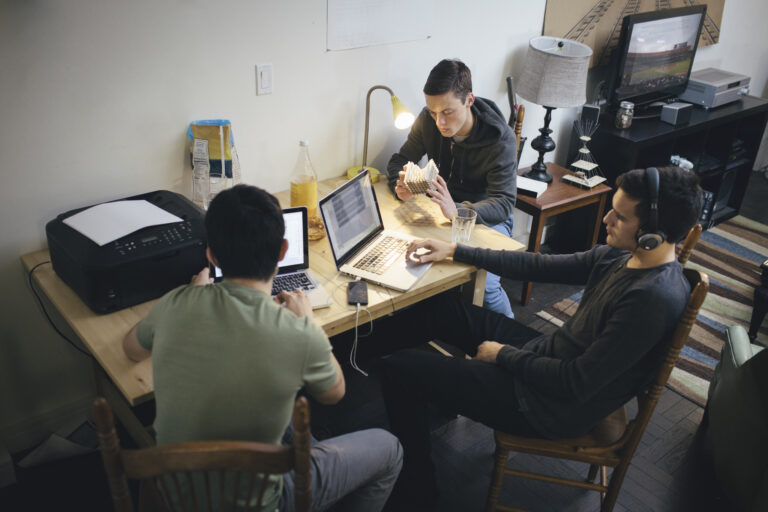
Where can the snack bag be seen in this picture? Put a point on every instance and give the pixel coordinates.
(213, 156)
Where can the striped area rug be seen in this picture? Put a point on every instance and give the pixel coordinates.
(730, 253)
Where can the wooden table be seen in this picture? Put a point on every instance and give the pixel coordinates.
(126, 384)
(558, 198)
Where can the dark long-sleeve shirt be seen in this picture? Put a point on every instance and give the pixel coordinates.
(607, 351)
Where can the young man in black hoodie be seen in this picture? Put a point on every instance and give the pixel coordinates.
(474, 149)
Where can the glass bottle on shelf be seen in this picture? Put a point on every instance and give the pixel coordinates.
(624, 115)
(304, 190)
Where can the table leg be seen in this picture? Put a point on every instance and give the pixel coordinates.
(121, 409)
(534, 243)
(474, 290)
(599, 209)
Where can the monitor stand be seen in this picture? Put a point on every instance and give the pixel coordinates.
(652, 108)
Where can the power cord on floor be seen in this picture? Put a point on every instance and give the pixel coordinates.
(47, 316)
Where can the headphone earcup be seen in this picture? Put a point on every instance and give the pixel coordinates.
(649, 241)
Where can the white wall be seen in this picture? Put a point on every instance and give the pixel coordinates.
(95, 99)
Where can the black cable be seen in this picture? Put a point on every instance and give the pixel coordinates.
(42, 307)
(599, 92)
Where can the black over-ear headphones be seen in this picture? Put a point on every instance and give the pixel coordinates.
(649, 236)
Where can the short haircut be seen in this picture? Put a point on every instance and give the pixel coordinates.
(680, 199)
(450, 75)
(245, 230)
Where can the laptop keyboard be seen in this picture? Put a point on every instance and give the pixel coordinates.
(382, 255)
(291, 282)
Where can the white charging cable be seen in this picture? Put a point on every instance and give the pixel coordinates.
(353, 351)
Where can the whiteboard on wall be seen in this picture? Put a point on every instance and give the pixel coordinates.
(359, 23)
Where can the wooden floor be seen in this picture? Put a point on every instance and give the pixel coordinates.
(670, 470)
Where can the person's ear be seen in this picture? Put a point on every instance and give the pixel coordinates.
(470, 99)
(211, 258)
(283, 250)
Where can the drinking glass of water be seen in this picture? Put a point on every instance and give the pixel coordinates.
(462, 224)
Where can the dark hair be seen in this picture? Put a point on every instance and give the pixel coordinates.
(679, 199)
(245, 230)
(449, 75)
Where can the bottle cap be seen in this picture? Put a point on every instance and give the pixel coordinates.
(303, 142)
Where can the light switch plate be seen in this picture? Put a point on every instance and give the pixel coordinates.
(263, 79)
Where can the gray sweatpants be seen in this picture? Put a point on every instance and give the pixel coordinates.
(353, 472)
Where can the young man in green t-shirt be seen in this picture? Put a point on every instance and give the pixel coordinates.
(228, 360)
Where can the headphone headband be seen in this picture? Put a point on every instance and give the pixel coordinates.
(649, 237)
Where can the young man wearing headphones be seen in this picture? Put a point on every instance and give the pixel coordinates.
(562, 384)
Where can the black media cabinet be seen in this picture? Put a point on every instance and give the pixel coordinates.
(722, 143)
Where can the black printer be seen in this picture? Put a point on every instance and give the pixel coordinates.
(137, 267)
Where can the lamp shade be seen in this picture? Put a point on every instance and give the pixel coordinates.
(555, 72)
(403, 117)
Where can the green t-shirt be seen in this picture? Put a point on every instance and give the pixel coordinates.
(227, 363)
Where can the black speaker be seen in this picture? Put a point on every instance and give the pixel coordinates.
(676, 113)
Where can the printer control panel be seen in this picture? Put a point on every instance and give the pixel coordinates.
(165, 236)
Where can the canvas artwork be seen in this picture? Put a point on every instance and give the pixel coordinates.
(597, 23)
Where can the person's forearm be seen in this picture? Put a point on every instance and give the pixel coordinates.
(494, 209)
(337, 390)
(528, 266)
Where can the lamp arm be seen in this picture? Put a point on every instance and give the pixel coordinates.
(367, 115)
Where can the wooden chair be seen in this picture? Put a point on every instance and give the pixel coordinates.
(221, 469)
(516, 116)
(613, 442)
(518, 129)
(684, 251)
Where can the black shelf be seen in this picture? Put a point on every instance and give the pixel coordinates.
(722, 143)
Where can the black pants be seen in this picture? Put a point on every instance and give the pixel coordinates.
(411, 379)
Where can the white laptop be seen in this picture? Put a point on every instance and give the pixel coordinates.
(360, 245)
(293, 271)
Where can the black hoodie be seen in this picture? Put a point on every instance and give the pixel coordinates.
(480, 171)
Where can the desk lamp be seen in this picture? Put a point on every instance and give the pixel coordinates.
(403, 119)
(555, 75)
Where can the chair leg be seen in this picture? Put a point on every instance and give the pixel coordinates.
(592, 472)
(603, 478)
(497, 477)
(617, 478)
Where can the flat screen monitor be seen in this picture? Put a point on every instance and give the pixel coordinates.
(655, 53)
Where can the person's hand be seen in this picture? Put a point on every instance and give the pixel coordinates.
(443, 198)
(435, 250)
(400, 189)
(487, 351)
(201, 278)
(297, 302)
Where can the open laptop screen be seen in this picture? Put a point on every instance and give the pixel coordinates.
(351, 216)
(297, 256)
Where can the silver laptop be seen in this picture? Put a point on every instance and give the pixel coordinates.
(293, 271)
(360, 245)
